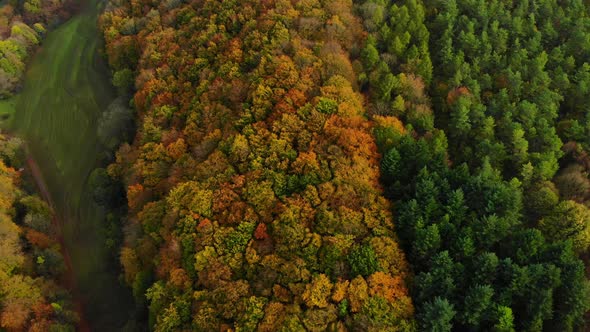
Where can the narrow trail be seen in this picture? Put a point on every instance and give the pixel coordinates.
(69, 276)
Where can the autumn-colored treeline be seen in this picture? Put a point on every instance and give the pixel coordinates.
(31, 264)
(23, 25)
(253, 182)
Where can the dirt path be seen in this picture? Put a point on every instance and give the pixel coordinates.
(69, 276)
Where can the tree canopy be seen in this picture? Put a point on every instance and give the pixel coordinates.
(353, 165)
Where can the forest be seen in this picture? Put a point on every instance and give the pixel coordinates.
(33, 292)
(316, 165)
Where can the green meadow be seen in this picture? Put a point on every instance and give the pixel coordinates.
(65, 91)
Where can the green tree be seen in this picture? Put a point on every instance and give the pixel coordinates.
(363, 261)
(123, 80)
(477, 305)
(437, 315)
(569, 221)
(541, 200)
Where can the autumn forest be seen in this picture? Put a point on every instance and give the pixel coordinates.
(295, 165)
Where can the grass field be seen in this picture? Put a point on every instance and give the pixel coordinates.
(66, 89)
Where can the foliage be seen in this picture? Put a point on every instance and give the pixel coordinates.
(363, 261)
(22, 26)
(254, 170)
(252, 183)
(460, 191)
(469, 247)
(30, 260)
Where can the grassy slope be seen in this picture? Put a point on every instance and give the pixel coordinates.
(65, 91)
